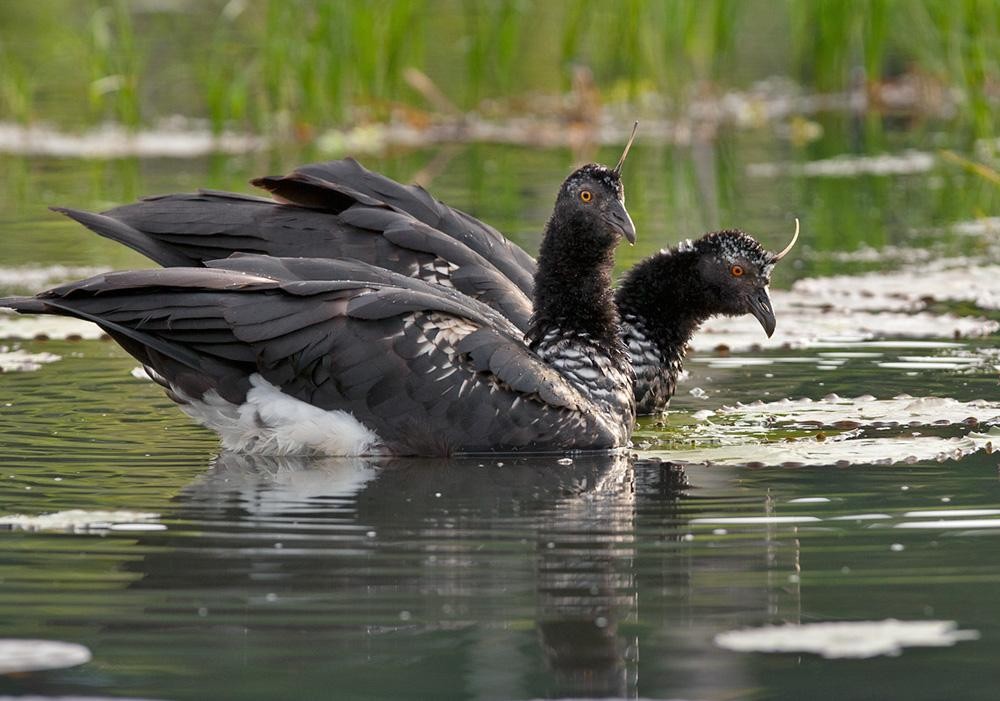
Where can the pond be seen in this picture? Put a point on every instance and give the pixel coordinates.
(864, 489)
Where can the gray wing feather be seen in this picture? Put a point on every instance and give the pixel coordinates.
(314, 269)
(508, 257)
(121, 232)
(190, 229)
(424, 372)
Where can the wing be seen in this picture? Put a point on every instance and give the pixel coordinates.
(323, 184)
(427, 373)
(188, 229)
(319, 269)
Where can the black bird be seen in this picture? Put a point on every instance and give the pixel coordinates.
(340, 209)
(663, 300)
(340, 357)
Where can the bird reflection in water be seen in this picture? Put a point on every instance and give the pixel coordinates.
(507, 577)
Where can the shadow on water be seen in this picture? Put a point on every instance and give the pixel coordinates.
(609, 576)
(469, 578)
(391, 550)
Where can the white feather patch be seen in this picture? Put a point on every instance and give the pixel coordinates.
(271, 422)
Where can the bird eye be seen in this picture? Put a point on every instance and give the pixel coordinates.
(586, 195)
(737, 270)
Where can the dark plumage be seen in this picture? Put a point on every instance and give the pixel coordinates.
(188, 229)
(340, 209)
(666, 297)
(378, 361)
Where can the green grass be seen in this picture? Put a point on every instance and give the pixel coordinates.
(293, 66)
(116, 65)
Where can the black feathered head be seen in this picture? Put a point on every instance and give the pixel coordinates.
(593, 199)
(736, 271)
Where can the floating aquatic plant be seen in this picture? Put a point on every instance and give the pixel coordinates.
(846, 639)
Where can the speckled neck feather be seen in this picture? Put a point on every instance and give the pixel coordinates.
(663, 301)
(573, 294)
(661, 309)
(575, 324)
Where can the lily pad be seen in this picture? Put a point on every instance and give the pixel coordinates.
(17, 655)
(846, 639)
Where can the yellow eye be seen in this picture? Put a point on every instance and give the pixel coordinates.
(586, 196)
(737, 270)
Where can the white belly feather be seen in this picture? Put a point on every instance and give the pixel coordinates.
(271, 422)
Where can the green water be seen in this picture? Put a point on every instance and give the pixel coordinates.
(472, 580)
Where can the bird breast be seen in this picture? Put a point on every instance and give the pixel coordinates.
(590, 369)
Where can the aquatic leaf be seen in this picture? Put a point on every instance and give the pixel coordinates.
(80, 520)
(17, 655)
(837, 451)
(846, 639)
(21, 360)
(847, 412)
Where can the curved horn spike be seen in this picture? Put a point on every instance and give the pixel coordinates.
(784, 252)
(618, 168)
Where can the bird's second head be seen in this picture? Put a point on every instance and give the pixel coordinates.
(736, 272)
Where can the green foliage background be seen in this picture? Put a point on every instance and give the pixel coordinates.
(272, 64)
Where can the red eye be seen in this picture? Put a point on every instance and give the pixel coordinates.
(737, 270)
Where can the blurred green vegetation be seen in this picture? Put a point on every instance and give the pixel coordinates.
(298, 68)
(298, 65)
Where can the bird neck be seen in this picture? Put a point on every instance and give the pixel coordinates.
(663, 300)
(572, 295)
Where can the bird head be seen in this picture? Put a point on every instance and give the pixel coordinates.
(736, 272)
(593, 195)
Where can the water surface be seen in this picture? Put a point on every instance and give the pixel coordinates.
(608, 576)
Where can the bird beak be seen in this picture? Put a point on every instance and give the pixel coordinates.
(616, 216)
(760, 307)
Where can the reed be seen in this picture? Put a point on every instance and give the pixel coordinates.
(116, 64)
(17, 98)
(298, 66)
